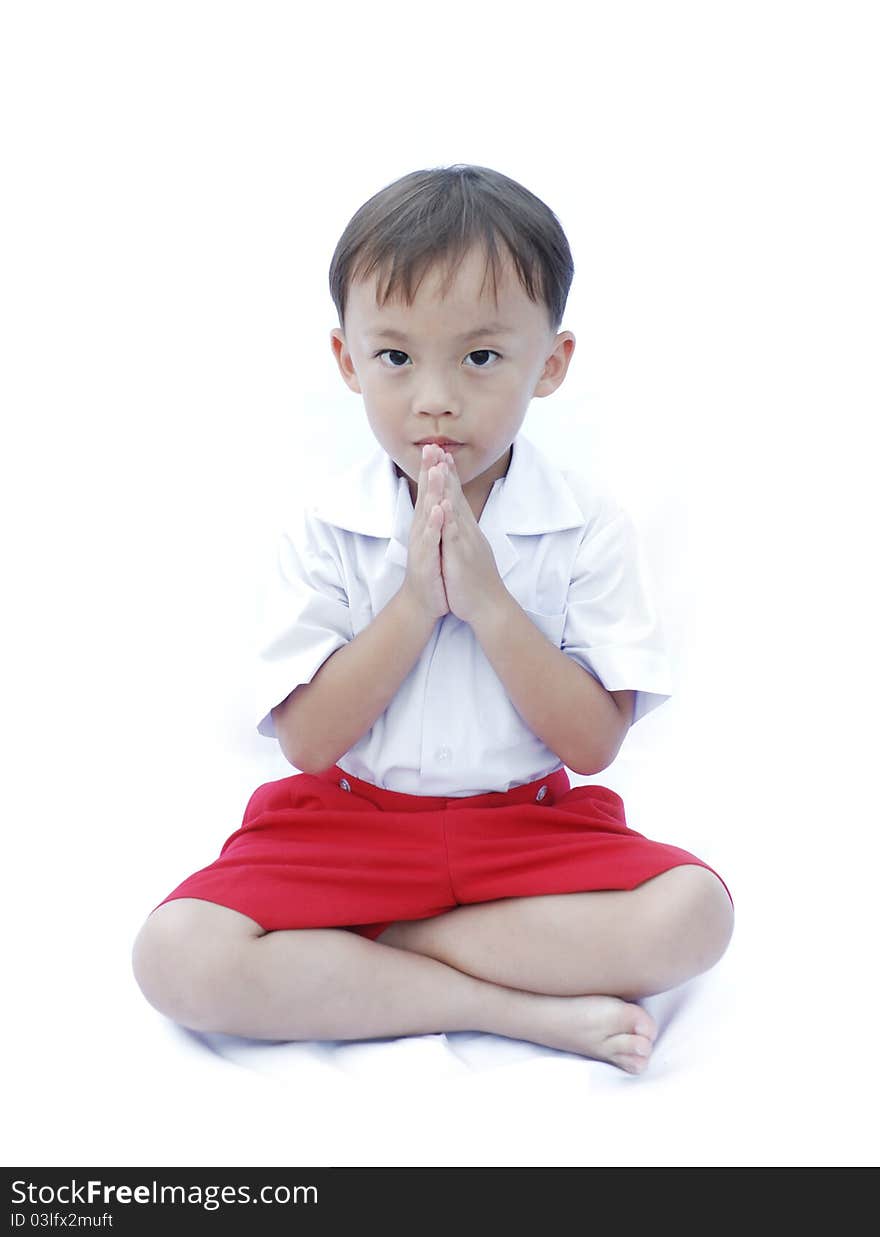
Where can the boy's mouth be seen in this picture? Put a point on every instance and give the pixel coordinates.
(440, 442)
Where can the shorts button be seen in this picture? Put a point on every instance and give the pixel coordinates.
(541, 794)
(443, 754)
(343, 784)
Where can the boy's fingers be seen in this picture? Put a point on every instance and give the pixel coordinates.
(428, 460)
(422, 478)
(425, 466)
(432, 478)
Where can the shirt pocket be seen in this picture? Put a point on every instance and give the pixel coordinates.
(552, 625)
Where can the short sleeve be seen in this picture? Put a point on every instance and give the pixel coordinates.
(305, 615)
(612, 627)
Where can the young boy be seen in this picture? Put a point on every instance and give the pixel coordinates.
(454, 622)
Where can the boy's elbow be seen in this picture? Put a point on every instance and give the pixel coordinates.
(309, 763)
(289, 735)
(592, 758)
(588, 767)
(290, 732)
(301, 758)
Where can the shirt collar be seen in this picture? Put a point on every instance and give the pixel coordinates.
(533, 498)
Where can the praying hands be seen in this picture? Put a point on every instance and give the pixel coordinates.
(450, 567)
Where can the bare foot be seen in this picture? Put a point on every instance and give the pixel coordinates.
(602, 1027)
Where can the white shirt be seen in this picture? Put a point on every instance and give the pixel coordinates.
(568, 554)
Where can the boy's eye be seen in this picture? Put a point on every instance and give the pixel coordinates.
(397, 364)
(484, 352)
(392, 352)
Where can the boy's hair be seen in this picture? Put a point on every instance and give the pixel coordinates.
(439, 214)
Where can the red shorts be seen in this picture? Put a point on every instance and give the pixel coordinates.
(330, 850)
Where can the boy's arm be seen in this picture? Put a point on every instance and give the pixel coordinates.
(321, 720)
(568, 709)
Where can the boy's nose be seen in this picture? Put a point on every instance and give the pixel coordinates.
(436, 397)
(436, 407)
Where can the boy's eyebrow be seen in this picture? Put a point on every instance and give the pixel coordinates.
(489, 328)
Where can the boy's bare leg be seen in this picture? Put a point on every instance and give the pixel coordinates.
(213, 969)
(629, 943)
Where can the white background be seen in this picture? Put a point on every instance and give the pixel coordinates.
(176, 178)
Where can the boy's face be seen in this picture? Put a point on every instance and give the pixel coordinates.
(431, 370)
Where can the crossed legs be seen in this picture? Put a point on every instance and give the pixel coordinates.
(563, 970)
(632, 943)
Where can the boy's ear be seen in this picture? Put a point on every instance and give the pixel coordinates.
(556, 365)
(344, 361)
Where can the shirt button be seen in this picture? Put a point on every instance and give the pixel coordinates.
(343, 784)
(541, 794)
(443, 754)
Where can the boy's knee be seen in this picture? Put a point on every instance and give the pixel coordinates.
(184, 966)
(716, 913)
(689, 922)
(703, 913)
